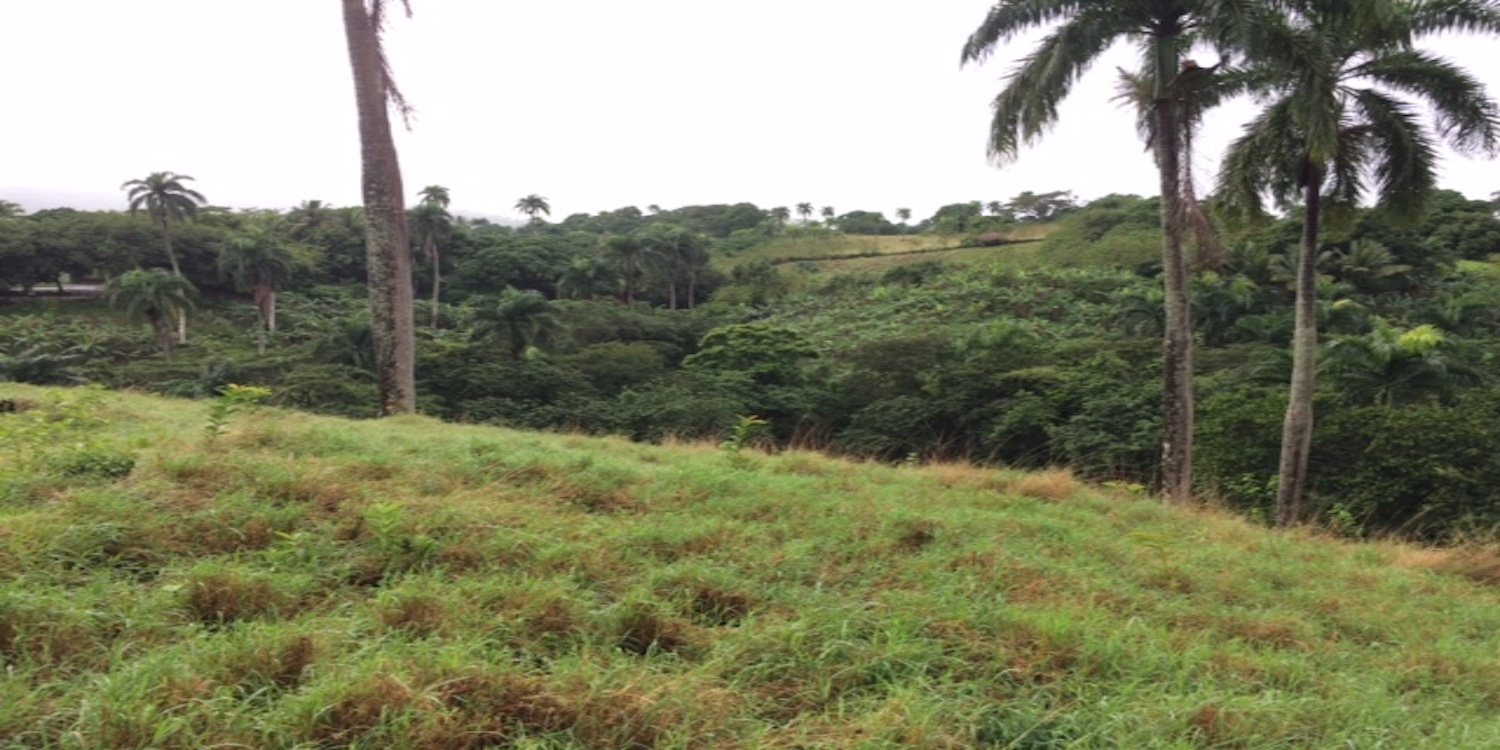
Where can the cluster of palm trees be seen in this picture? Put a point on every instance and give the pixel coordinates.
(1339, 81)
(257, 261)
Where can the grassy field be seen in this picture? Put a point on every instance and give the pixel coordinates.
(291, 581)
(819, 247)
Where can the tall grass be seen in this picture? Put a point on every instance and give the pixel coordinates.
(307, 582)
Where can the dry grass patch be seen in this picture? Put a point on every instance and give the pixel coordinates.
(1051, 484)
(1477, 562)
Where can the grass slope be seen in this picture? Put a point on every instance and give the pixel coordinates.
(308, 582)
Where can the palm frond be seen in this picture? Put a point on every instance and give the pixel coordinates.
(1008, 19)
(1027, 107)
(1406, 172)
(1465, 116)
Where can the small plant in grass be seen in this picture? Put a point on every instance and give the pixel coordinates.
(746, 429)
(231, 400)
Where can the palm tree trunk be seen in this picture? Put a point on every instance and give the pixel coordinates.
(437, 280)
(1296, 432)
(1177, 339)
(388, 256)
(166, 236)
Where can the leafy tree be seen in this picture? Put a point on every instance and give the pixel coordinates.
(1027, 107)
(157, 295)
(387, 251)
(259, 263)
(995, 208)
(167, 201)
(431, 221)
(1336, 119)
(534, 206)
(903, 214)
(11, 209)
(866, 222)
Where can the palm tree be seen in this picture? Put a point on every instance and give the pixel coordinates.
(522, 319)
(166, 200)
(308, 217)
(431, 221)
(387, 251)
(258, 262)
(827, 213)
(587, 277)
(1390, 366)
(1336, 119)
(1079, 32)
(805, 210)
(632, 261)
(995, 208)
(683, 255)
(780, 215)
(533, 206)
(155, 294)
(435, 194)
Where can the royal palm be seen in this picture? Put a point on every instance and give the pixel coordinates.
(1338, 121)
(1079, 32)
(168, 201)
(387, 252)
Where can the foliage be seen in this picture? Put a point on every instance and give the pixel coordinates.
(231, 400)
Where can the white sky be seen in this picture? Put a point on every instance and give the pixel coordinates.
(595, 104)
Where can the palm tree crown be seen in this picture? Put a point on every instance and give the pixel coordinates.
(435, 194)
(534, 205)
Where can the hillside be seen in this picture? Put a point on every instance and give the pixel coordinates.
(302, 581)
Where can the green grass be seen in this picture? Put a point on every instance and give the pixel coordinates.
(307, 582)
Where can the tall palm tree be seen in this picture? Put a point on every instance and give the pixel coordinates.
(167, 201)
(828, 213)
(683, 256)
(632, 260)
(432, 222)
(994, 208)
(780, 215)
(805, 210)
(1338, 118)
(387, 251)
(156, 295)
(534, 206)
(435, 194)
(258, 262)
(1079, 32)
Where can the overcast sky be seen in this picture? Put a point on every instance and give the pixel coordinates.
(595, 104)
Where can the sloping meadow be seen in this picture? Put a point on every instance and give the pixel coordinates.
(282, 580)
